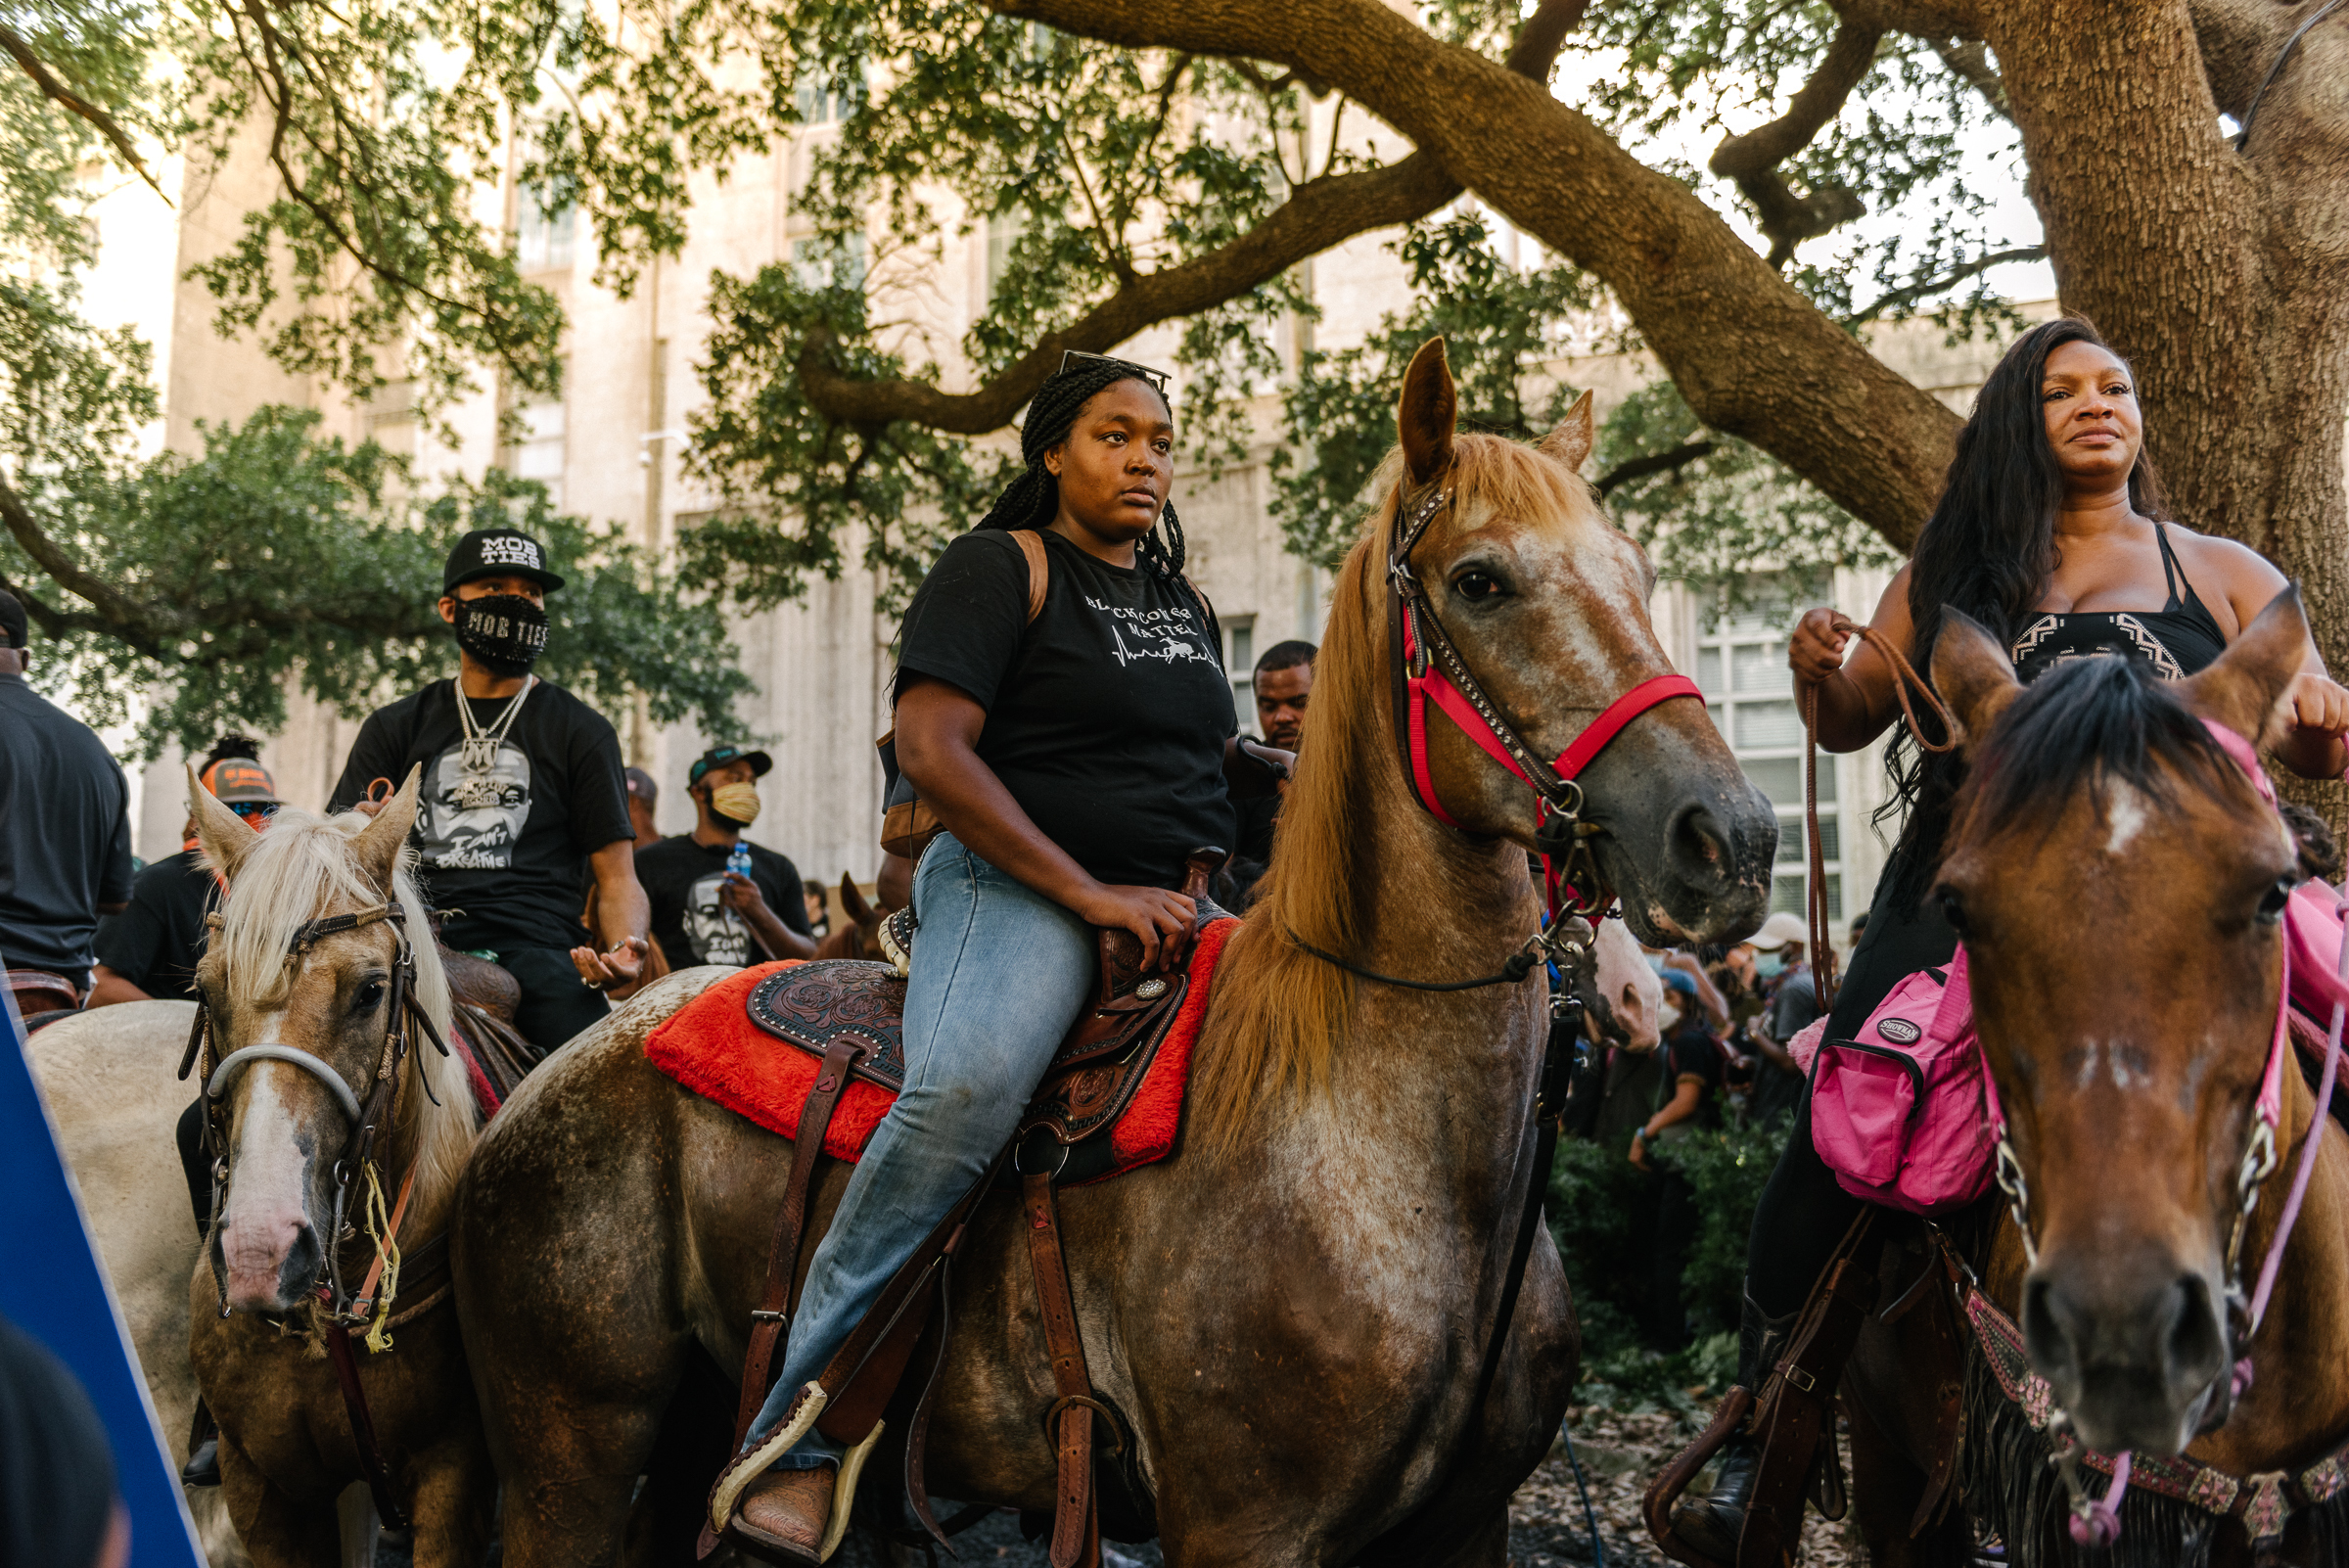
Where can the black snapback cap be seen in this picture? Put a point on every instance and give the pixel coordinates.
(497, 552)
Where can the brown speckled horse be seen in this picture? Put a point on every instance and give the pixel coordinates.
(1292, 1311)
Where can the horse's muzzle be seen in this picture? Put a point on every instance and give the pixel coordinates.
(2134, 1353)
(267, 1265)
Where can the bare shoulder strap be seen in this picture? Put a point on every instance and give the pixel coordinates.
(1040, 569)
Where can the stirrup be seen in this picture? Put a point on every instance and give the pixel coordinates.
(797, 1423)
(844, 1493)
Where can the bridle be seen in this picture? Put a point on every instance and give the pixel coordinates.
(368, 1112)
(2096, 1523)
(1425, 665)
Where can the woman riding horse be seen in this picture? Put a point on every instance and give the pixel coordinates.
(1076, 751)
(2051, 531)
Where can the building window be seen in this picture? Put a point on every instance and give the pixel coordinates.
(539, 455)
(1239, 661)
(822, 101)
(829, 263)
(543, 233)
(1741, 667)
(1003, 231)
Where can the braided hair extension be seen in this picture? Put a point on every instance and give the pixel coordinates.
(1032, 500)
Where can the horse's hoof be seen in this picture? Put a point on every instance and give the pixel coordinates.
(203, 1469)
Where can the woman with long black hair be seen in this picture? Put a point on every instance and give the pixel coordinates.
(2051, 532)
(1076, 753)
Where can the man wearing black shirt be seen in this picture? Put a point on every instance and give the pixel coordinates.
(522, 790)
(703, 914)
(64, 830)
(1282, 683)
(149, 951)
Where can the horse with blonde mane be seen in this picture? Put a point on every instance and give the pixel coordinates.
(1291, 1314)
(302, 1010)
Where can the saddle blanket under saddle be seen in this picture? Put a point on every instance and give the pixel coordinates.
(712, 1046)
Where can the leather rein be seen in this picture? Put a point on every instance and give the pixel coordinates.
(367, 1113)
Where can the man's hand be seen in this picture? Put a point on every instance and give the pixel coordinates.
(741, 895)
(1640, 1149)
(614, 971)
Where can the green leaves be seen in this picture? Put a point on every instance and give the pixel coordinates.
(276, 553)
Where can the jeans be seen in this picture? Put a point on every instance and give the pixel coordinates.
(999, 976)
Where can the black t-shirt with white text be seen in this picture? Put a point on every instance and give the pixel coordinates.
(1106, 718)
(506, 846)
(682, 878)
(155, 944)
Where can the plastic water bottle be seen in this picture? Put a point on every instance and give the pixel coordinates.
(738, 860)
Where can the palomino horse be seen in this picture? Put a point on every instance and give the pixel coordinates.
(2118, 884)
(1292, 1313)
(317, 1005)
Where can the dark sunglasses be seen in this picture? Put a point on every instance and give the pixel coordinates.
(1155, 378)
(253, 810)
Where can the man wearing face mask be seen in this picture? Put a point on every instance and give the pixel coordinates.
(1792, 1003)
(705, 910)
(522, 794)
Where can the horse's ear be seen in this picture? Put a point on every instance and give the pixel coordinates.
(1973, 676)
(1571, 442)
(1425, 414)
(378, 846)
(224, 835)
(2243, 688)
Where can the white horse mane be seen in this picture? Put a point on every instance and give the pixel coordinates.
(302, 868)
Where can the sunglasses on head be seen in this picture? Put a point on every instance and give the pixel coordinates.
(1071, 356)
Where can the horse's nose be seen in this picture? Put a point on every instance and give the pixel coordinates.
(270, 1263)
(1713, 858)
(2129, 1360)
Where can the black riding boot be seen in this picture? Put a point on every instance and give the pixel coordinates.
(203, 1469)
(1712, 1523)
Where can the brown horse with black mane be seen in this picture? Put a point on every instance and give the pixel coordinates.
(2118, 881)
(1292, 1313)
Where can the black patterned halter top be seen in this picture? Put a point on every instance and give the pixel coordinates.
(2177, 640)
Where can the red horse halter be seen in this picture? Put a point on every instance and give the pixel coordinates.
(1426, 666)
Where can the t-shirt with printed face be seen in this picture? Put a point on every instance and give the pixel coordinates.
(505, 844)
(1106, 717)
(682, 880)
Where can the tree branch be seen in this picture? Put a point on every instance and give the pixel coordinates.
(1969, 57)
(1632, 468)
(1320, 213)
(1947, 281)
(22, 52)
(1752, 160)
(1545, 33)
(1754, 358)
(139, 625)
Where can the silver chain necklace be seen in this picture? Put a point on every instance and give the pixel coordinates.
(477, 753)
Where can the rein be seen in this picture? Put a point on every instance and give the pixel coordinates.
(1815, 892)
(366, 1113)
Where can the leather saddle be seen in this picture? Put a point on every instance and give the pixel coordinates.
(1094, 1073)
(36, 990)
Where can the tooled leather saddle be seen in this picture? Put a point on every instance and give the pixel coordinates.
(849, 1013)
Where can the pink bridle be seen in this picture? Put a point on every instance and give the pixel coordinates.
(2097, 1523)
(1427, 667)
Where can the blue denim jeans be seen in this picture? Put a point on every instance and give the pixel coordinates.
(1000, 975)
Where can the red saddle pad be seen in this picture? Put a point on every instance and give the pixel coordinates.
(710, 1046)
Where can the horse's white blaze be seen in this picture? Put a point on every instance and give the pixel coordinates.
(2125, 811)
(268, 1183)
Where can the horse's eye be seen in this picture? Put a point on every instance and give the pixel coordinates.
(1953, 910)
(370, 997)
(2272, 901)
(1478, 587)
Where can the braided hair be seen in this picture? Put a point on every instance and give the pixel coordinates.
(1032, 500)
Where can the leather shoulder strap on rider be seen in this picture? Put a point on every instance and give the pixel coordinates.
(1040, 569)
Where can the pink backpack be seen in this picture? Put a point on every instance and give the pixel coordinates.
(1900, 1114)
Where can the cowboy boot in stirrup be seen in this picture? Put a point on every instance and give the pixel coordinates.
(785, 1516)
(203, 1469)
(1712, 1523)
